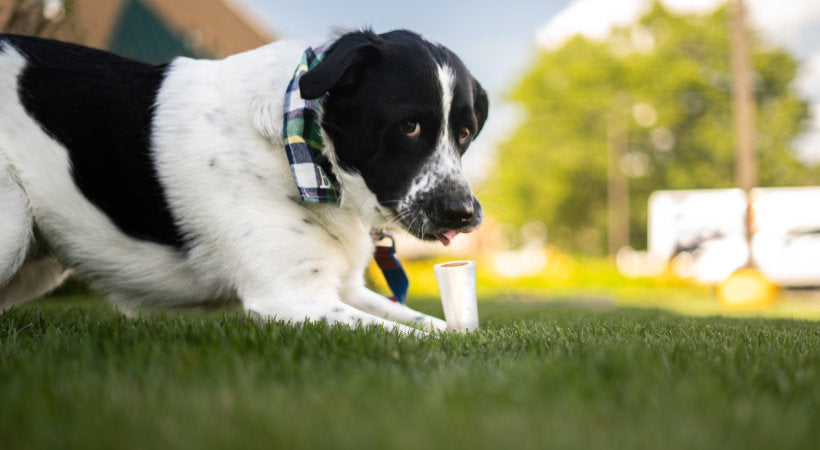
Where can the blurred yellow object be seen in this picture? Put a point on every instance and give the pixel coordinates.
(747, 289)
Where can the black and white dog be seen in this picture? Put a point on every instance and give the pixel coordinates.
(169, 185)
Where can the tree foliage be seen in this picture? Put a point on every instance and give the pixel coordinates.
(668, 77)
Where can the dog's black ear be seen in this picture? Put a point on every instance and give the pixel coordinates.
(481, 105)
(342, 63)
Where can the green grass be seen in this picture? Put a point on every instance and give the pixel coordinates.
(74, 374)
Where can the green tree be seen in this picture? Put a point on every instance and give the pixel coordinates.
(668, 78)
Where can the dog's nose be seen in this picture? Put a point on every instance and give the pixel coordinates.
(458, 213)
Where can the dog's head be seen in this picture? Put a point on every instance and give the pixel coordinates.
(400, 111)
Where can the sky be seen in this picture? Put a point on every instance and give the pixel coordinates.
(472, 29)
(497, 39)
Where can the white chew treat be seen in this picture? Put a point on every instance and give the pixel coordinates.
(457, 285)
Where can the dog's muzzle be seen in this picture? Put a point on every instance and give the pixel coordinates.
(441, 215)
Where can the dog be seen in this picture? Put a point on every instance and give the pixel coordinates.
(170, 185)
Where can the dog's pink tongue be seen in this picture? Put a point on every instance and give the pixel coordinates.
(447, 237)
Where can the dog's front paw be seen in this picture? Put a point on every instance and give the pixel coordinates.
(429, 323)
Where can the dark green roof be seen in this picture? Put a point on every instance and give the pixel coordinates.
(142, 35)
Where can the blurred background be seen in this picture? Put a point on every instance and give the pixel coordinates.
(642, 152)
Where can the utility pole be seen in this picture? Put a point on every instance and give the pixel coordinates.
(743, 111)
(617, 183)
(747, 286)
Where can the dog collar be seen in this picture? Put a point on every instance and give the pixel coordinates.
(311, 170)
(385, 256)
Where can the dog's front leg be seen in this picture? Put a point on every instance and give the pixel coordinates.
(366, 300)
(300, 303)
(298, 277)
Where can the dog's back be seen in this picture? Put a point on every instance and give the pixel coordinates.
(95, 147)
(77, 175)
(99, 107)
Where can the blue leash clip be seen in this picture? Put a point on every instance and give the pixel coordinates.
(394, 275)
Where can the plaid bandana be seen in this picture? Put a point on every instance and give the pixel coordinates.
(303, 140)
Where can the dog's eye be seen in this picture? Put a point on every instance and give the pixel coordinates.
(411, 129)
(464, 135)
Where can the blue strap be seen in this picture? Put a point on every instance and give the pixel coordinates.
(392, 270)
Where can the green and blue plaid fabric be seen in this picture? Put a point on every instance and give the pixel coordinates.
(303, 139)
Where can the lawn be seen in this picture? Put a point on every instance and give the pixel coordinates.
(74, 374)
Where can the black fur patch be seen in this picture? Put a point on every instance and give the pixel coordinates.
(100, 107)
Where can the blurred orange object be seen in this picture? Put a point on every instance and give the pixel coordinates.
(747, 288)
